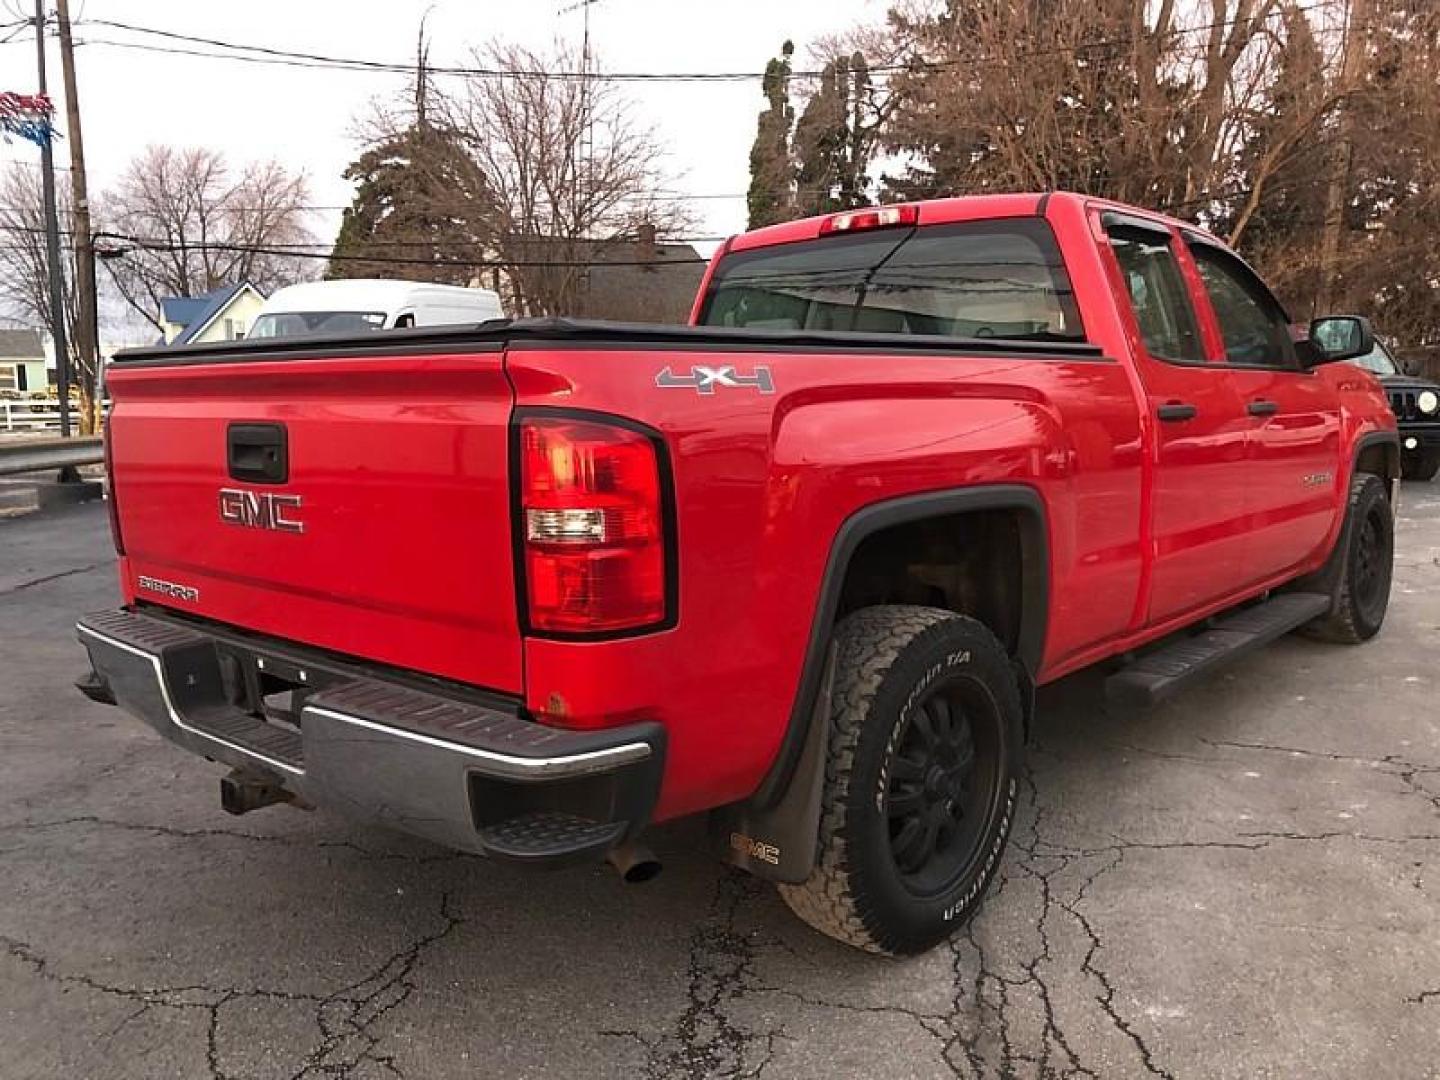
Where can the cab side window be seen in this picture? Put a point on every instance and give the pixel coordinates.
(1158, 295)
(1254, 326)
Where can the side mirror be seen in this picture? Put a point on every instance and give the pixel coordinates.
(1341, 337)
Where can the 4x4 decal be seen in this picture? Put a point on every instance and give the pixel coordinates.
(704, 380)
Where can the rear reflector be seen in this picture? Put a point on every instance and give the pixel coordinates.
(594, 532)
(874, 217)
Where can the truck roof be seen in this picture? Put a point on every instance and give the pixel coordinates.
(958, 208)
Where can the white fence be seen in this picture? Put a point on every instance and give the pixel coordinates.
(36, 415)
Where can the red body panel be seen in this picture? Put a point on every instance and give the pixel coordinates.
(761, 493)
(408, 558)
(402, 468)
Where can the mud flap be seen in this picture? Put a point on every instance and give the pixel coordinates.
(1027, 696)
(779, 842)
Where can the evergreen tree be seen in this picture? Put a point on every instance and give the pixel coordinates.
(830, 140)
(419, 211)
(772, 174)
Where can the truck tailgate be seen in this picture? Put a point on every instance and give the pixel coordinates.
(386, 534)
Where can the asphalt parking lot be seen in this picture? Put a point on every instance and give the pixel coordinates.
(1243, 883)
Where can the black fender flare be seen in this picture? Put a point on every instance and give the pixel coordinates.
(1327, 579)
(1377, 438)
(778, 818)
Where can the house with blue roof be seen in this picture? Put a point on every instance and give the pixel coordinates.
(223, 314)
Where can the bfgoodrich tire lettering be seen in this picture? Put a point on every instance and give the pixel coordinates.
(925, 752)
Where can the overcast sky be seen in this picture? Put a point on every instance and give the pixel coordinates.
(303, 116)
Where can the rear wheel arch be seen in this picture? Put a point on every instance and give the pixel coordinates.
(1016, 503)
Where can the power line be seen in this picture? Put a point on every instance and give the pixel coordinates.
(172, 247)
(318, 244)
(264, 54)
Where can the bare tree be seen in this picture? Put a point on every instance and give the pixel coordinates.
(24, 268)
(184, 225)
(1148, 103)
(565, 167)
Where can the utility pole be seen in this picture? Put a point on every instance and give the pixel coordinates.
(586, 135)
(52, 241)
(87, 327)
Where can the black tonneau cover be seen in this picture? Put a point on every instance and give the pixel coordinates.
(590, 333)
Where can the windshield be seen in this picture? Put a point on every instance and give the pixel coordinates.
(285, 324)
(979, 279)
(1379, 361)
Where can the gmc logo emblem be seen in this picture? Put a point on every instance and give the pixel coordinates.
(260, 510)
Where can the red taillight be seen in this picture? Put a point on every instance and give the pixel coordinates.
(110, 502)
(874, 217)
(592, 526)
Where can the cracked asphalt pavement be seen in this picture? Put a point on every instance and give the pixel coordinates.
(1245, 882)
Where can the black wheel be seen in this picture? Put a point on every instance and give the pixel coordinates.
(1363, 589)
(1420, 465)
(925, 751)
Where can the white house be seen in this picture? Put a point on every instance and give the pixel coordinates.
(224, 314)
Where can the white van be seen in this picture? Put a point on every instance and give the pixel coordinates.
(357, 305)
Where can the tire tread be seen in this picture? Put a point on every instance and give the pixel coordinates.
(868, 644)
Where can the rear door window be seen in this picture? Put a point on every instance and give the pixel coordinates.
(982, 279)
(1158, 295)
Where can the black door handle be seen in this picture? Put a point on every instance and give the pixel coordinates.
(1176, 410)
(1262, 408)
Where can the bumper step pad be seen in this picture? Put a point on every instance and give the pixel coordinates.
(1151, 678)
(550, 834)
(458, 722)
(250, 732)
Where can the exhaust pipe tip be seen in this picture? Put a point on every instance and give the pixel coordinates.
(635, 863)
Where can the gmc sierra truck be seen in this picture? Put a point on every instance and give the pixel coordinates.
(528, 588)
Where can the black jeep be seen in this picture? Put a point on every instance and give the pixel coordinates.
(1415, 401)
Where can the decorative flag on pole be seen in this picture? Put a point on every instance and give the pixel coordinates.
(30, 116)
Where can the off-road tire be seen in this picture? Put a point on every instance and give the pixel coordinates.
(1420, 465)
(1362, 589)
(890, 661)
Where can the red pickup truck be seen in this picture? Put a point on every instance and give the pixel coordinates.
(527, 588)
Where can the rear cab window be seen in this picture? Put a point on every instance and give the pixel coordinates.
(999, 278)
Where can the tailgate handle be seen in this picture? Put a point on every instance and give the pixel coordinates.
(258, 453)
